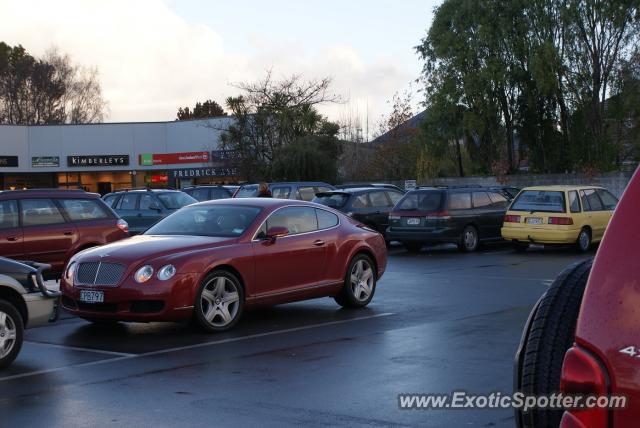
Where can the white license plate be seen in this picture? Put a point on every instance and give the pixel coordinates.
(534, 220)
(413, 221)
(90, 296)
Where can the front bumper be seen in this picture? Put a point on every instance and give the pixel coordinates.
(550, 235)
(41, 309)
(155, 300)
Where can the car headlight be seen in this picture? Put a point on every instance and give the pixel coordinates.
(166, 272)
(143, 274)
(70, 273)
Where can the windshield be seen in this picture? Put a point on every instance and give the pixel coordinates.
(333, 200)
(248, 191)
(224, 221)
(175, 200)
(420, 201)
(539, 200)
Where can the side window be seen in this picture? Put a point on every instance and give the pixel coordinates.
(110, 200)
(394, 197)
(219, 193)
(296, 219)
(145, 201)
(326, 219)
(594, 201)
(360, 201)
(199, 194)
(83, 209)
(574, 203)
(37, 212)
(459, 201)
(378, 199)
(481, 200)
(498, 200)
(585, 202)
(608, 200)
(307, 193)
(282, 192)
(128, 201)
(8, 214)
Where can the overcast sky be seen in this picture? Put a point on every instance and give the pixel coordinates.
(156, 55)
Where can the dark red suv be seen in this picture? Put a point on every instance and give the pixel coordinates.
(51, 225)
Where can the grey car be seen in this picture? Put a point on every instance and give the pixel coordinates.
(141, 208)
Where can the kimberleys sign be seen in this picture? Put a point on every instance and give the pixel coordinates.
(204, 172)
(98, 160)
(150, 159)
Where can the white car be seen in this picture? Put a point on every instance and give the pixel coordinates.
(24, 302)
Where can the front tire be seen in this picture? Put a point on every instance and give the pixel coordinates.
(219, 302)
(359, 283)
(11, 333)
(551, 334)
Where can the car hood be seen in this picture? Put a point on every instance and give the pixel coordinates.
(143, 247)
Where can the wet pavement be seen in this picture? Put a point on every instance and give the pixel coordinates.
(440, 321)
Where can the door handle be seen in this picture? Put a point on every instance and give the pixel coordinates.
(12, 238)
(318, 243)
(67, 233)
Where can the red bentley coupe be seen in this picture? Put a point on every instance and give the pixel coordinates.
(210, 261)
(582, 338)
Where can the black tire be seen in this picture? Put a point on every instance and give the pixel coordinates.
(13, 321)
(216, 303)
(583, 243)
(520, 247)
(413, 247)
(550, 335)
(356, 295)
(465, 244)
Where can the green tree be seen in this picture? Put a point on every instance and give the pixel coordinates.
(47, 90)
(276, 120)
(203, 110)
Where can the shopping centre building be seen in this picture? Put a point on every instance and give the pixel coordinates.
(111, 156)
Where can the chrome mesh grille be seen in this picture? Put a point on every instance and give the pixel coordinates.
(99, 273)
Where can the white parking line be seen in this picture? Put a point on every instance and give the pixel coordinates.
(188, 347)
(77, 348)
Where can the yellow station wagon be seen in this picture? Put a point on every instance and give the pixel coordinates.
(558, 215)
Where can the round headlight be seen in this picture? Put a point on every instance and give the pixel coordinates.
(166, 272)
(70, 272)
(143, 274)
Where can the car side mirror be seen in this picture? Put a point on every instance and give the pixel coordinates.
(276, 232)
(154, 206)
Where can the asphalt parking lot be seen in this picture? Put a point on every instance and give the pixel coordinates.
(440, 321)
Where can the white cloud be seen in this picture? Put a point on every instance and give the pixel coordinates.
(151, 61)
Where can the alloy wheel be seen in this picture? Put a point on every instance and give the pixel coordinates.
(8, 334)
(220, 301)
(362, 280)
(470, 239)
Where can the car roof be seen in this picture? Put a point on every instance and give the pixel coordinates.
(257, 202)
(352, 190)
(561, 188)
(278, 183)
(144, 190)
(69, 193)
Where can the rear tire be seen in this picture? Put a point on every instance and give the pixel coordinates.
(551, 334)
(11, 333)
(583, 243)
(413, 247)
(359, 283)
(470, 241)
